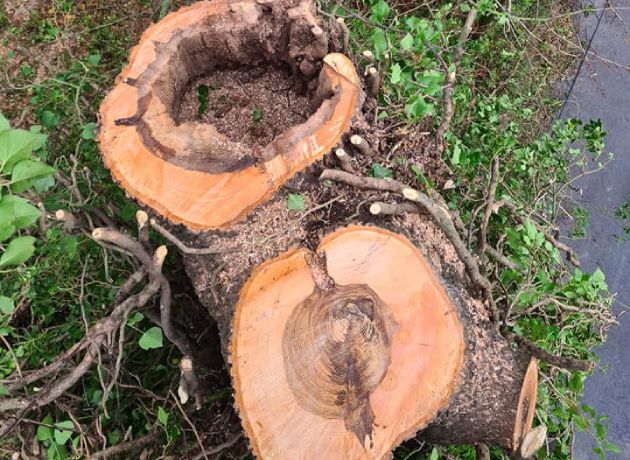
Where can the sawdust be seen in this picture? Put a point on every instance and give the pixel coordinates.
(252, 105)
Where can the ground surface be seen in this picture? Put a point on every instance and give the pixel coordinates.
(601, 91)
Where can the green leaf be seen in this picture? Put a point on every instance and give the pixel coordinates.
(464, 7)
(151, 339)
(64, 432)
(19, 250)
(381, 172)
(44, 433)
(379, 11)
(26, 171)
(49, 119)
(6, 305)
(419, 108)
(43, 183)
(17, 211)
(257, 114)
(396, 73)
(202, 96)
(4, 123)
(435, 455)
(295, 202)
(70, 245)
(6, 230)
(135, 318)
(93, 59)
(162, 416)
(15, 145)
(380, 42)
(89, 131)
(407, 42)
(4, 391)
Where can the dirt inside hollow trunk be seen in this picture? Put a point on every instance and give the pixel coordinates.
(252, 105)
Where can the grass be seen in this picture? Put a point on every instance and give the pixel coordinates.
(60, 61)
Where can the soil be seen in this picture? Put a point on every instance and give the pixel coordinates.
(252, 105)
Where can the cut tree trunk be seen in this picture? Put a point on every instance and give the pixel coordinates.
(354, 342)
(190, 172)
(347, 351)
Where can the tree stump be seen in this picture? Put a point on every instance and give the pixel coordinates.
(189, 172)
(322, 347)
(349, 350)
(343, 340)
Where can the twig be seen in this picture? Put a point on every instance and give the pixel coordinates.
(374, 81)
(344, 160)
(142, 218)
(369, 56)
(391, 209)
(571, 255)
(361, 145)
(124, 447)
(441, 216)
(496, 255)
(219, 448)
(345, 34)
(492, 191)
(180, 245)
(571, 364)
(451, 76)
(191, 424)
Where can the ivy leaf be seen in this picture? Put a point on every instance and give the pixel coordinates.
(407, 42)
(49, 119)
(381, 172)
(6, 305)
(295, 202)
(380, 42)
(93, 59)
(4, 391)
(151, 339)
(6, 230)
(379, 11)
(18, 212)
(135, 318)
(162, 416)
(396, 73)
(419, 108)
(26, 171)
(89, 131)
(4, 123)
(64, 432)
(19, 250)
(44, 433)
(15, 145)
(70, 245)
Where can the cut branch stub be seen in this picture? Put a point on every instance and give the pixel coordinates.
(348, 369)
(190, 172)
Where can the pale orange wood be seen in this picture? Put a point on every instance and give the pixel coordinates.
(203, 200)
(526, 404)
(425, 355)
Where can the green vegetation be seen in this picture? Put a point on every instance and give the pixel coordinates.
(502, 110)
(500, 116)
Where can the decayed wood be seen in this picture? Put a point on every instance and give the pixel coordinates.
(190, 173)
(347, 371)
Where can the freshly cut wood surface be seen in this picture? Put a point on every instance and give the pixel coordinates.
(526, 404)
(345, 362)
(191, 173)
